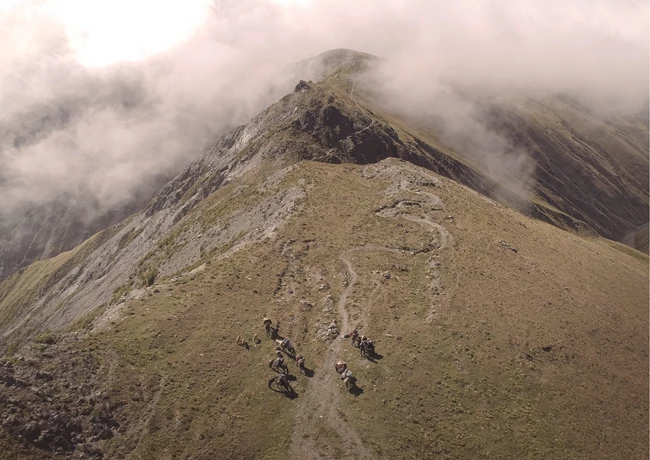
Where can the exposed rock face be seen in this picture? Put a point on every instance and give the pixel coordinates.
(301, 87)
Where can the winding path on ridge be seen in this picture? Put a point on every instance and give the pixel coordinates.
(404, 180)
(323, 397)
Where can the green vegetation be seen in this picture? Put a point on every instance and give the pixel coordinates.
(147, 275)
(46, 338)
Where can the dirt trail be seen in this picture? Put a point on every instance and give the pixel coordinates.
(404, 179)
(323, 396)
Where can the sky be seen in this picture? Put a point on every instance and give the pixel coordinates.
(100, 98)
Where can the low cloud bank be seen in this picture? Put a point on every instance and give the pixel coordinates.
(99, 135)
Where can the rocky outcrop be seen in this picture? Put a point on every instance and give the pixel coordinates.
(53, 401)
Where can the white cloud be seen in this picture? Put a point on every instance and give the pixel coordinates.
(70, 128)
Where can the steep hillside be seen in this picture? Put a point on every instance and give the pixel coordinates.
(592, 168)
(498, 336)
(48, 230)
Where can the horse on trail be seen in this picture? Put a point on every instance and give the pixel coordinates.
(282, 383)
(278, 365)
(367, 348)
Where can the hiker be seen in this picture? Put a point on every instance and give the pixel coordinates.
(348, 379)
(267, 326)
(300, 361)
(278, 365)
(355, 338)
(341, 366)
(242, 343)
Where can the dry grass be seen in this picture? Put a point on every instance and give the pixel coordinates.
(539, 353)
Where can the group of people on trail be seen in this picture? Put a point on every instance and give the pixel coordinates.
(367, 348)
(349, 380)
(363, 343)
(283, 346)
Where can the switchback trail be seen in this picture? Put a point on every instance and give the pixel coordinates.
(405, 178)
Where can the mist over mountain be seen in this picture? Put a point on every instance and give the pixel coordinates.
(330, 212)
(104, 132)
(453, 180)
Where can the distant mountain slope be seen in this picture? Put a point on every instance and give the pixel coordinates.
(592, 168)
(47, 230)
(587, 171)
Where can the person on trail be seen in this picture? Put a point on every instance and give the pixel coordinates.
(348, 379)
(286, 346)
(242, 343)
(300, 361)
(282, 382)
(346, 374)
(366, 346)
(355, 338)
(267, 325)
(341, 366)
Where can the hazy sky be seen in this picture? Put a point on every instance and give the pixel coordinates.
(100, 96)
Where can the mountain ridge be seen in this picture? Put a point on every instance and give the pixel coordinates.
(537, 354)
(496, 333)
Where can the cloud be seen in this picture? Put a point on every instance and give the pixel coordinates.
(100, 134)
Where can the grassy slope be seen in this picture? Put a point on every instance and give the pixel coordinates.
(474, 383)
